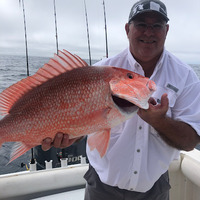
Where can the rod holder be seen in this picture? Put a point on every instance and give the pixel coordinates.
(83, 160)
(63, 162)
(33, 167)
(48, 164)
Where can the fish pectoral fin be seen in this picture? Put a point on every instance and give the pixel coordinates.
(100, 141)
(18, 149)
(101, 115)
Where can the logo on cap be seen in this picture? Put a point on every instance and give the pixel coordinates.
(147, 6)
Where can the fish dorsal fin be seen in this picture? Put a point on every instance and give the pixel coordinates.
(61, 63)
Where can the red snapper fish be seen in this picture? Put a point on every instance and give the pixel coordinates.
(66, 95)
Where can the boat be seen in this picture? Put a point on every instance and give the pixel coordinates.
(67, 182)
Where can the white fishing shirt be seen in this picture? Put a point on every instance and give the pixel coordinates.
(137, 156)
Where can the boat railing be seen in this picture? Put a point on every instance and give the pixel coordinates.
(185, 176)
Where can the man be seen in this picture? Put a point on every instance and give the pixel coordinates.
(141, 149)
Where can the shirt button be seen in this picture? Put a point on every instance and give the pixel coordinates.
(131, 189)
(137, 65)
(138, 150)
(135, 172)
(140, 127)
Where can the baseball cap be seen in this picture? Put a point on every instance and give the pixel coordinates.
(143, 6)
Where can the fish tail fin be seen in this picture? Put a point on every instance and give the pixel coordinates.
(18, 149)
(100, 141)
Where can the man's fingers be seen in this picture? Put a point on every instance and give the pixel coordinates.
(152, 101)
(58, 140)
(61, 140)
(46, 144)
(164, 100)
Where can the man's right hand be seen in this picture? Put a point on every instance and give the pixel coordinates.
(61, 141)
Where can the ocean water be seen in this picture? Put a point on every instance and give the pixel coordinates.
(13, 69)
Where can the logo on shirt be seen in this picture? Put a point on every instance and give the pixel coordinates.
(175, 89)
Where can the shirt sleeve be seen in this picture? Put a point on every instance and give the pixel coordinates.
(187, 106)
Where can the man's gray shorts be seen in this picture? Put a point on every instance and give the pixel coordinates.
(96, 190)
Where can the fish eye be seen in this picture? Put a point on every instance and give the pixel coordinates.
(130, 75)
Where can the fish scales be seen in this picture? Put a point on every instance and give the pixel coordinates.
(41, 115)
(77, 102)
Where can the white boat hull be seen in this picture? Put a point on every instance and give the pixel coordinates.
(29, 185)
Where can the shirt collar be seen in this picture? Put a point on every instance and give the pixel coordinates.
(136, 67)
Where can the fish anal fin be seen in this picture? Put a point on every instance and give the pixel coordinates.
(100, 141)
(18, 149)
(60, 64)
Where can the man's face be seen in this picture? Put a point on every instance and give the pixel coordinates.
(147, 34)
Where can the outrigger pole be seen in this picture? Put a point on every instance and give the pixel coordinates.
(106, 37)
(88, 35)
(56, 30)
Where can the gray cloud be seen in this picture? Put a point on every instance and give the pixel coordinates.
(183, 38)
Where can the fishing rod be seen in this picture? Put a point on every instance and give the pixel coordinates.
(27, 63)
(106, 37)
(25, 35)
(88, 35)
(56, 30)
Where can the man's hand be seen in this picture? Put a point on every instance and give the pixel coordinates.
(60, 141)
(176, 133)
(156, 112)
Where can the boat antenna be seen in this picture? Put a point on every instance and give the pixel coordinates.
(88, 35)
(27, 63)
(56, 30)
(106, 37)
(25, 35)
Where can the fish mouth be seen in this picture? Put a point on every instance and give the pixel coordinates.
(124, 105)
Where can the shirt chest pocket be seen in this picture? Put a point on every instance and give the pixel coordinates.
(172, 96)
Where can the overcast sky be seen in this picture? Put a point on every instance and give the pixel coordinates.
(183, 38)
